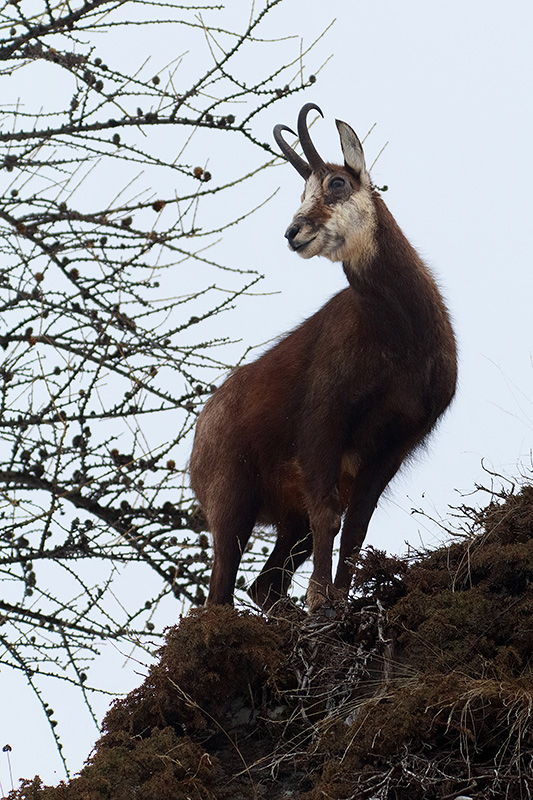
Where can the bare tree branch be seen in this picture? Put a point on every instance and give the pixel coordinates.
(106, 287)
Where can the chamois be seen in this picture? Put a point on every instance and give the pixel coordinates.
(316, 427)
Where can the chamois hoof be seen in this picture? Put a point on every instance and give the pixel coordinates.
(324, 598)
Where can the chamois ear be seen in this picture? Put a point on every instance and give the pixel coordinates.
(351, 147)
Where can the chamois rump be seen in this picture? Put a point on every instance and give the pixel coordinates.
(316, 427)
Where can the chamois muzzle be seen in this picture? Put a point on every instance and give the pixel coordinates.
(291, 233)
(299, 235)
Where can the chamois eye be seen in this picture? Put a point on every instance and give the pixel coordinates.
(337, 183)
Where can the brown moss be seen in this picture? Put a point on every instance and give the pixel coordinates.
(215, 658)
(470, 606)
(160, 767)
(419, 688)
(511, 521)
(215, 672)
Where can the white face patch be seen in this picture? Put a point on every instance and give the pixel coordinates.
(313, 194)
(351, 229)
(339, 231)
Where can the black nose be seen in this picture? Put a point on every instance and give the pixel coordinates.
(292, 232)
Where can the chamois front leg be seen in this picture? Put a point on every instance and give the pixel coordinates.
(372, 478)
(325, 515)
(320, 454)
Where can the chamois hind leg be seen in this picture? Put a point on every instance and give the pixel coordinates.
(370, 482)
(231, 531)
(294, 544)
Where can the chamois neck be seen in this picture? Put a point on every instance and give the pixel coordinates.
(396, 292)
(390, 253)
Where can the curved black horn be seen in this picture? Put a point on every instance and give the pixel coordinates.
(315, 161)
(292, 157)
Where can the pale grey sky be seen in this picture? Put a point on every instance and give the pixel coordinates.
(448, 86)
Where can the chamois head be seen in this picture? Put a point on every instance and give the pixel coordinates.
(337, 217)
